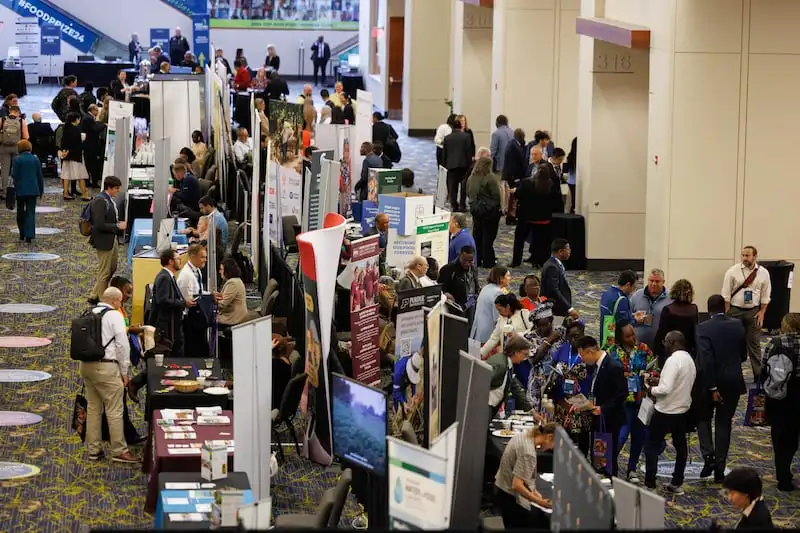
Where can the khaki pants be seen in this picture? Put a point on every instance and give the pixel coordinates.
(106, 267)
(752, 336)
(104, 390)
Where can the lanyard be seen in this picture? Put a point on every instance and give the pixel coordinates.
(570, 361)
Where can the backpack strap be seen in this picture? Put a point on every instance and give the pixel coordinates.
(102, 314)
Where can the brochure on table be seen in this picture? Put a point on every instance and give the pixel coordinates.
(173, 503)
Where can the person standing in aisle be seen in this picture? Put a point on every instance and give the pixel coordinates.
(746, 290)
(168, 304)
(190, 282)
(555, 286)
(501, 138)
(647, 304)
(106, 227)
(457, 153)
(13, 129)
(178, 46)
(320, 55)
(483, 189)
(29, 183)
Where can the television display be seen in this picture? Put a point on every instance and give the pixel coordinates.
(359, 424)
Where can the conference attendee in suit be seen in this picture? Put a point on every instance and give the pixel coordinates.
(609, 389)
(166, 314)
(721, 350)
(515, 166)
(458, 149)
(320, 55)
(416, 270)
(555, 286)
(743, 487)
(273, 59)
(504, 381)
(134, 49)
(106, 227)
(190, 282)
(93, 147)
(178, 46)
(501, 138)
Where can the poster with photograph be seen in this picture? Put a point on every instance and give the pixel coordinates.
(433, 330)
(433, 237)
(345, 181)
(383, 181)
(364, 324)
(286, 127)
(291, 192)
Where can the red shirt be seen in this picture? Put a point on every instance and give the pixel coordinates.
(242, 79)
(529, 304)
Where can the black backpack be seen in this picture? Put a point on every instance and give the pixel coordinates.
(86, 337)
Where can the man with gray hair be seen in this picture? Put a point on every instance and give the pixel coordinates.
(106, 379)
(483, 153)
(178, 46)
(459, 236)
(415, 270)
(647, 304)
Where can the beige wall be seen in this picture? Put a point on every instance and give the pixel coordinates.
(535, 66)
(426, 72)
(471, 72)
(724, 79)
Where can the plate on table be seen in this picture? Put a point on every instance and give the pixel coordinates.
(217, 391)
(176, 373)
(504, 433)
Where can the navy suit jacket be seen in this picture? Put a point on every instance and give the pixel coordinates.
(721, 350)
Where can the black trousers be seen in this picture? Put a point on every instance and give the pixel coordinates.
(26, 217)
(172, 332)
(572, 196)
(715, 447)
(319, 66)
(455, 178)
(542, 236)
(94, 167)
(785, 430)
(514, 515)
(484, 230)
(661, 425)
(195, 333)
(521, 233)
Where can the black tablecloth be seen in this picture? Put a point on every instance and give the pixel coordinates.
(241, 110)
(236, 480)
(572, 228)
(180, 400)
(12, 80)
(141, 107)
(99, 73)
(352, 82)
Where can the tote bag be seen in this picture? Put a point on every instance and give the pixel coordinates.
(602, 449)
(646, 410)
(756, 414)
(79, 414)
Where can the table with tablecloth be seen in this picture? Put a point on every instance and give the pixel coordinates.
(142, 235)
(572, 228)
(12, 81)
(141, 106)
(98, 73)
(173, 399)
(181, 500)
(158, 458)
(352, 81)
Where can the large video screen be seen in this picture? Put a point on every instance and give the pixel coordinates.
(284, 14)
(359, 424)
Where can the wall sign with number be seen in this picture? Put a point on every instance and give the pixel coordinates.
(610, 63)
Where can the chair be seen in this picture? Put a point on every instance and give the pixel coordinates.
(284, 415)
(290, 234)
(309, 521)
(211, 174)
(268, 304)
(236, 241)
(492, 523)
(340, 497)
(407, 433)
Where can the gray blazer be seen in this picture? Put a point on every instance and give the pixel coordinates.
(501, 137)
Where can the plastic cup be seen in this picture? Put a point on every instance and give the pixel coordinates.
(159, 357)
(209, 363)
(201, 380)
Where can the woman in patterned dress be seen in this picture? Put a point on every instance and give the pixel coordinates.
(636, 359)
(545, 341)
(572, 379)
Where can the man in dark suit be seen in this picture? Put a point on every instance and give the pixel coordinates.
(515, 165)
(457, 155)
(417, 268)
(721, 350)
(504, 380)
(93, 148)
(609, 390)
(178, 46)
(320, 55)
(166, 314)
(106, 226)
(554, 280)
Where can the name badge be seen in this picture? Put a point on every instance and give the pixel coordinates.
(748, 297)
(633, 384)
(569, 387)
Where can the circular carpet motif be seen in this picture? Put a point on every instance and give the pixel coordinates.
(13, 375)
(23, 342)
(23, 309)
(17, 470)
(44, 209)
(30, 256)
(41, 231)
(18, 418)
(53, 190)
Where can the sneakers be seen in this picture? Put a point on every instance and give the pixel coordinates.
(127, 458)
(675, 490)
(97, 456)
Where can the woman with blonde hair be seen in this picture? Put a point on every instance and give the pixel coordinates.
(273, 59)
(483, 190)
(309, 121)
(681, 315)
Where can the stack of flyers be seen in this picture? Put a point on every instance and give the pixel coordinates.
(177, 414)
(188, 517)
(166, 422)
(178, 429)
(181, 436)
(213, 421)
(209, 411)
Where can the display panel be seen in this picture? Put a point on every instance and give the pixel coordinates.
(285, 14)
(359, 423)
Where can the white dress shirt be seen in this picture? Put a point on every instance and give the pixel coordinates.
(241, 149)
(189, 281)
(760, 288)
(113, 327)
(674, 390)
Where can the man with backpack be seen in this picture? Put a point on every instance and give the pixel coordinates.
(105, 227)
(615, 306)
(100, 342)
(12, 130)
(60, 105)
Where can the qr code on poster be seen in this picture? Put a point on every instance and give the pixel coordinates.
(405, 347)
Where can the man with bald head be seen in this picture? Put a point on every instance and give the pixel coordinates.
(415, 270)
(672, 392)
(308, 92)
(41, 135)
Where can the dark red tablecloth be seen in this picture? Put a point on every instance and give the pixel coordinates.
(157, 458)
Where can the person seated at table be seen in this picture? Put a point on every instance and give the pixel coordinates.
(513, 319)
(282, 348)
(232, 300)
(164, 67)
(185, 187)
(199, 147)
(119, 87)
(515, 481)
(241, 81)
(192, 164)
(504, 381)
(190, 61)
(243, 149)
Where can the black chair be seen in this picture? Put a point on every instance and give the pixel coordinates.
(238, 237)
(290, 233)
(340, 497)
(290, 402)
(319, 520)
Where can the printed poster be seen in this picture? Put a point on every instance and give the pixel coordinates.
(345, 181)
(433, 382)
(364, 323)
(410, 327)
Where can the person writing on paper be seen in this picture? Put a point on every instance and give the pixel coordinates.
(515, 480)
(504, 383)
(513, 319)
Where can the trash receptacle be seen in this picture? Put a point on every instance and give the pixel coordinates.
(780, 274)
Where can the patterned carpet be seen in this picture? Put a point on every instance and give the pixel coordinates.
(71, 493)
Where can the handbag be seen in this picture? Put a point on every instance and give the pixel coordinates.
(79, 413)
(602, 449)
(756, 414)
(11, 197)
(646, 410)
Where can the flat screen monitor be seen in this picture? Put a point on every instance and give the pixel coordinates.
(359, 424)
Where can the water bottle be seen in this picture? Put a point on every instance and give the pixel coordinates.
(510, 405)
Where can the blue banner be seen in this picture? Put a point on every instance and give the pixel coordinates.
(201, 39)
(73, 32)
(50, 40)
(189, 7)
(160, 37)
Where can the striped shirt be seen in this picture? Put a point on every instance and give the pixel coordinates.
(519, 460)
